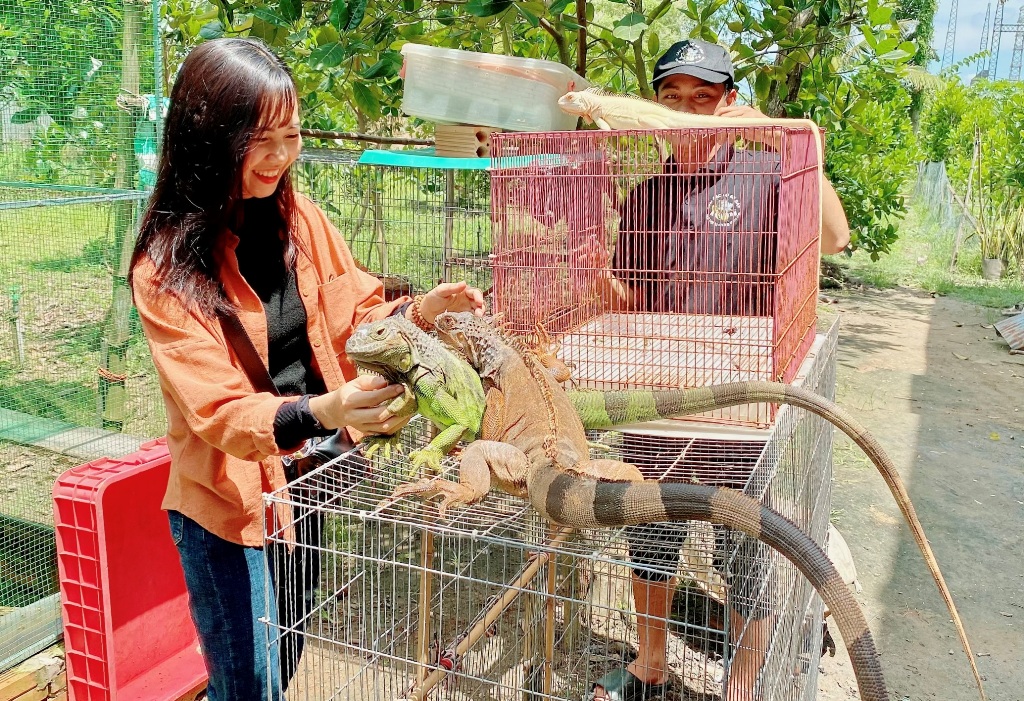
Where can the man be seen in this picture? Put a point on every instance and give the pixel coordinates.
(714, 213)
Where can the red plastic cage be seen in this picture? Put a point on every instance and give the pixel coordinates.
(661, 259)
(128, 635)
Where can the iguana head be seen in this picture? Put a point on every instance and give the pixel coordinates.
(576, 102)
(386, 347)
(474, 337)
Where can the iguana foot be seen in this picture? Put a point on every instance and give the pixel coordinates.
(428, 457)
(382, 444)
(455, 494)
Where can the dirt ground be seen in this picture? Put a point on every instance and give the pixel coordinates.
(935, 383)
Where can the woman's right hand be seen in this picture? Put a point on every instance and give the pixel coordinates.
(362, 404)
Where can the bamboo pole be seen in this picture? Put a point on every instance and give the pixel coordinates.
(492, 614)
(112, 397)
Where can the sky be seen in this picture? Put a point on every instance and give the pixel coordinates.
(969, 22)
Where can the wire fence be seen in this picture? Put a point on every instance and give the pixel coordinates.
(78, 125)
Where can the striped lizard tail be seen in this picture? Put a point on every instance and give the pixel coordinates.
(609, 409)
(584, 502)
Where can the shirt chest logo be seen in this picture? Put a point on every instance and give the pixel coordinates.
(723, 210)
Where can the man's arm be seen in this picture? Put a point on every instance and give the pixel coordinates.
(835, 230)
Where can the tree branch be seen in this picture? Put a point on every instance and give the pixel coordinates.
(581, 39)
(563, 50)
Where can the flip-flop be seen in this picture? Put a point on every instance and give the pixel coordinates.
(623, 685)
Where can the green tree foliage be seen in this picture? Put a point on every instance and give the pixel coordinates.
(825, 60)
(978, 130)
(61, 59)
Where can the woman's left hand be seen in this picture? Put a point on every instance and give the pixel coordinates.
(452, 297)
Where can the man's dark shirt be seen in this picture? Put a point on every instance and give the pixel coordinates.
(703, 242)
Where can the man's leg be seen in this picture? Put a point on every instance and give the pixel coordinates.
(654, 554)
(750, 622)
(748, 657)
(653, 600)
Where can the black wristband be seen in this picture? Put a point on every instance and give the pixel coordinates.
(294, 423)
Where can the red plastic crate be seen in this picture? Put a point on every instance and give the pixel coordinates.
(128, 634)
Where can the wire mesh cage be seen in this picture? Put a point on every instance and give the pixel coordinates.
(405, 218)
(492, 602)
(78, 127)
(676, 258)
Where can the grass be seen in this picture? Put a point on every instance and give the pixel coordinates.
(920, 259)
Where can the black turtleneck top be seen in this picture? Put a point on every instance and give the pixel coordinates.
(261, 261)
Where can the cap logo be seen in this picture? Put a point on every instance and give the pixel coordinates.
(723, 209)
(690, 53)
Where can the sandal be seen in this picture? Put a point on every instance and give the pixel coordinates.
(623, 685)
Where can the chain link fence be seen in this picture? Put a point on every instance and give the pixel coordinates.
(79, 117)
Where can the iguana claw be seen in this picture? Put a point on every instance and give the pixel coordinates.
(426, 457)
(454, 493)
(383, 444)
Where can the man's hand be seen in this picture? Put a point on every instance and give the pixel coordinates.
(452, 297)
(769, 136)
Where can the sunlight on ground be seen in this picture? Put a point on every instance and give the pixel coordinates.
(920, 258)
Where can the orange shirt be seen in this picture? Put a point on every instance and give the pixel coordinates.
(220, 432)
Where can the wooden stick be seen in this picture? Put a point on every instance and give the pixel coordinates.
(478, 630)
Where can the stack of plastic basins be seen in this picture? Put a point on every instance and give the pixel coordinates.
(127, 630)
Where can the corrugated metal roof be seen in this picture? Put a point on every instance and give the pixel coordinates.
(1012, 329)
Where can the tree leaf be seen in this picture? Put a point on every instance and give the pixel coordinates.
(653, 44)
(26, 115)
(365, 100)
(487, 8)
(339, 14)
(291, 10)
(558, 6)
(533, 19)
(630, 27)
(212, 30)
(329, 55)
(357, 11)
(270, 17)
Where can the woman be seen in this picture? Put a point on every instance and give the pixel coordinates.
(225, 233)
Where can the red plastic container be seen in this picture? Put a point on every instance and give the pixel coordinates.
(128, 634)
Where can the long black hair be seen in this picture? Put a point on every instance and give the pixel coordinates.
(226, 92)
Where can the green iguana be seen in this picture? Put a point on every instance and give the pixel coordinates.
(533, 445)
(439, 385)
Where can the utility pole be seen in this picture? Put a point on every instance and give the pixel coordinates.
(947, 51)
(980, 65)
(1018, 47)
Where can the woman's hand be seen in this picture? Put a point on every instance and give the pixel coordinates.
(362, 404)
(451, 297)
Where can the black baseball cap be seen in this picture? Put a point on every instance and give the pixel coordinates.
(700, 59)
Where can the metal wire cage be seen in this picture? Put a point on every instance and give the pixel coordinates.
(492, 602)
(673, 258)
(414, 225)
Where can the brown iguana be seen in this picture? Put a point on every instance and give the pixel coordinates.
(533, 445)
(402, 352)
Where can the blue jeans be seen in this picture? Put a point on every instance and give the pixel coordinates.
(227, 591)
